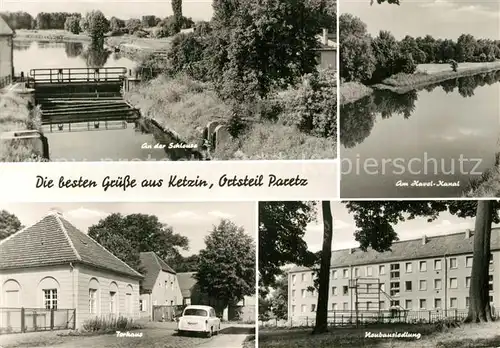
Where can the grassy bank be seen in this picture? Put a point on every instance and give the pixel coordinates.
(17, 116)
(428, 74)
(50, 35)
(473, 335)
(351, 92)
(186, 107)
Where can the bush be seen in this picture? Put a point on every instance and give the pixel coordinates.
(111, 324)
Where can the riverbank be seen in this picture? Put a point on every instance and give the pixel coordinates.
(426, 74)
(50, 35)
(187, 106)
(18, 115)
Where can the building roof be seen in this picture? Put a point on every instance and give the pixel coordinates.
(436, 246)
(54, 241)
(152, 264)
(186, 282)
(4, 28)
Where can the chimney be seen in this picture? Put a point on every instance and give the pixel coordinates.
(325, 37)
(424, 239)
(468, 233)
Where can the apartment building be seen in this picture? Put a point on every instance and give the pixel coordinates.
(429, 273)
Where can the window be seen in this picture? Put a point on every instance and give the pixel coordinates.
(346, 273)
(453, 262)
(368, 305)
(422, 266)
(345, 306)
(303, 277)
(166, 284)
(293, 293)
(437, 265)
(293, 279)
(395, 271)
(438, 284)
(369, 272)
(313, 308)
(422, 285)
(468, 261)
(491, 259)
(334, 306)
(423, 304)
(303, 308)
(467, 301)
(382, 304)
(345, 290)
(293, 308)
(395, 303)
(394, 288)
(453, 283)
(437, 303)
(408, 304)
(334, 274)
(172, 285)
(408, 267)
(381, 269)
(142, 305)
(356, 272)
(112, 302)
(334, 290)
(303, 292)
(50, 298)
(490, 283)
(491, 299)
(92, 301)
(453, 302)
(467, 282)
(408, 286)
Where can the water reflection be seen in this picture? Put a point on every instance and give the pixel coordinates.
(95, 56)
(358, 119)
(73, 49)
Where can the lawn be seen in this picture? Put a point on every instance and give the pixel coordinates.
(470, 335)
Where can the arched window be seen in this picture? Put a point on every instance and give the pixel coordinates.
(94, 296)
(11, 293)
(49, 290)
(129, 300)
(113, 298)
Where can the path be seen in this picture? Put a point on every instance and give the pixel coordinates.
(225, 341)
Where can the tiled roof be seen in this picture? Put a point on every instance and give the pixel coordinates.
(186, 283)
(152, 265)
(4, 28)
(437, 246)
(55, 241)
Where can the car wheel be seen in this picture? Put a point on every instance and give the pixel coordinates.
(209, 333)
(180, 333)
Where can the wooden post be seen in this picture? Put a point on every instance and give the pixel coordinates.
(74, 319)
(23, 324)
(52, 318)
(34, 320)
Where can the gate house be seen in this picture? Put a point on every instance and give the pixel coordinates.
(50, 269)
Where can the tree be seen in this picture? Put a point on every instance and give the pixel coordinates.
(133, 25)
(279, 299)
(266, 44)
(9, 224)
(184, 263)
(98, 26)
(324, 272)
(374, 221)
(226, 267)
(116, 25)
(128, 236)
(386, 50)
(177, 9)
(282, 226)
(465, 48)
(72, 25)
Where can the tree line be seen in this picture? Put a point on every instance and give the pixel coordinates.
(224, 270)
(43, 20)
(368, 59)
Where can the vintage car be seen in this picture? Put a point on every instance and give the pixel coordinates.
(198, 319)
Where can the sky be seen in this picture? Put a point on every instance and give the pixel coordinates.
(125, 9)
(344, 228)
(439, 18)
(193, 220)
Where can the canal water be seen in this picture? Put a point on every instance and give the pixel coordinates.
(429, 143)
(86, 142)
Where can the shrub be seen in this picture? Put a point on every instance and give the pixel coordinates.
(110, 324)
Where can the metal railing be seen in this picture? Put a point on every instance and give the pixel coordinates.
(68, 75)
(348, 318)
(15, 320)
